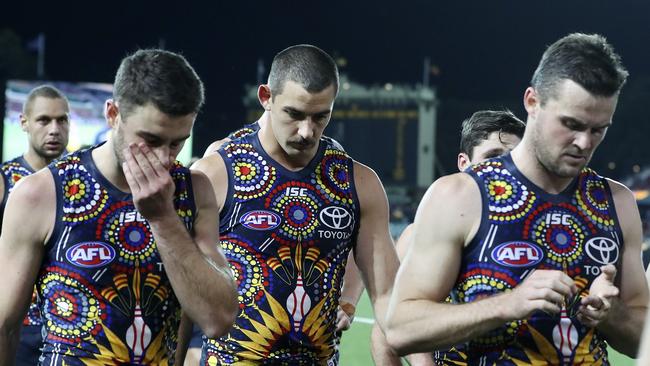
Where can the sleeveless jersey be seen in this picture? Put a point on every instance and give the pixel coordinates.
(13, 171)
(525, 228)
(287, 236)
(105, 296)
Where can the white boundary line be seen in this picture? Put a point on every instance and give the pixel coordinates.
(360, 319)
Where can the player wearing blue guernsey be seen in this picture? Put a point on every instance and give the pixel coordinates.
(486, 134)
(46, 121)
(541, 254)
(293, 205)
(120, 236)
(346, 308)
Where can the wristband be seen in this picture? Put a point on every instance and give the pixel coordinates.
(348, 308)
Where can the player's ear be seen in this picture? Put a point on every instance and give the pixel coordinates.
(531, 101)
(111, 112)
(23, 122)
(463, 161)
(264, 96)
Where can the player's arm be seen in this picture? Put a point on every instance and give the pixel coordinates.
(184, 337)
(350, 294)
(418, 319)
(623, 324)
(382, 354)
(404, 242)
(644, 349)
(374, 252)
(2, 187)
(28, 221)
(196, 268)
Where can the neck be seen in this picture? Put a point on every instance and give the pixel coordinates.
(274, 149)
(107, 164)
(37, 162)
(527, 163)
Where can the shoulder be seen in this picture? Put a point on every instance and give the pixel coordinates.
(369, 188)
(456, 193)
(216, 145)
(35, 187)
(458, 185)
(451, 207)
(365, 177)
(210, 166)
(621, 195)
(35, 197)
(619, 190)
(624, 202)
(209, 173)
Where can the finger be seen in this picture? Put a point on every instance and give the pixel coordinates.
(606, 303)
(550, 295)
(345, 325)
(595, 302)
(608, 292)
(589, 314)
(570, 284)
(340, 315)
(593, 309)
(586, 321)
(130, 156)
(143, 160)
(130, 180)
(556, 280)
(561, 286)
(548, 307)
(609, 271)
(157, 166)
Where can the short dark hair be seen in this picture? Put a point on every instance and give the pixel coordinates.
(162, 78)
(481, 124)
(586, 59)
(306, 65)
(44, 91)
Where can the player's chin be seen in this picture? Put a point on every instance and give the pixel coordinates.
(570, 171)
(53, 152)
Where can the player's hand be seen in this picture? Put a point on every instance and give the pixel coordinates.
(544, 290)
(595, 307)
(152, 187)
(344, 316)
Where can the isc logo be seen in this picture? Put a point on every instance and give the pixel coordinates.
(556, 218)
(90, 254)
(295, 192)
(517, 254)
(131, 216)
(260, 220)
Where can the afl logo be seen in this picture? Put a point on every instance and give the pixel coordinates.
(90, 254)
(336, 217)
(260, 220)
(517, 254)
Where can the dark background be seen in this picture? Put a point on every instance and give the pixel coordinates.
(485, 51)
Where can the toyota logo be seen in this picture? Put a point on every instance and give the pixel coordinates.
(602, 250)
(336, 217)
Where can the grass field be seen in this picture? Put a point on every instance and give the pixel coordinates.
(355, 345)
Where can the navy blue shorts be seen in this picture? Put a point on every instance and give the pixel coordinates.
(197, 337)
(29, 349)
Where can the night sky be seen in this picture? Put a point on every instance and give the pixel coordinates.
(486, 51)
